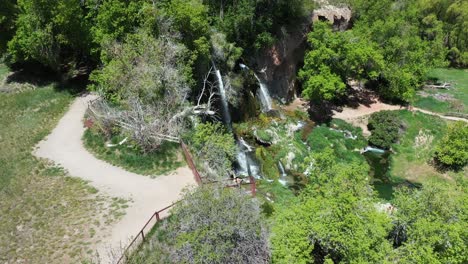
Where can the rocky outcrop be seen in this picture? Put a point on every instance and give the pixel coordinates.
(338, 16)
(278, 65)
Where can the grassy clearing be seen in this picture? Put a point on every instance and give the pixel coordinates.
(414, 152)
(129, 157)
(459, 92)
(3, 71)
(45, 216)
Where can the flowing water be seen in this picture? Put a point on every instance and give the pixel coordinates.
(283, 175)
(245, 160)
(379, 165)
(265, 98)
(246, 164)
(224, 103)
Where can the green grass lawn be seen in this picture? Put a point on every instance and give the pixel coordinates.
(459, 92)
(412, 160)
(45, 215)
(129, 157)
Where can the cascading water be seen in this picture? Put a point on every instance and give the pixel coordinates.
(283, 174)
(224, 103)
(246, 164)
(245, 160)
(372, 149)
(265, 98)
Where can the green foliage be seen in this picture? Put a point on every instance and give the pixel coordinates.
(323, 137)
(143, 67)
(334, 58)
(333, 218)
(384, 126)
(253, 24)
(192, 21)
(8, 14)
(452, 150)
(111, 20)
(268, 162)
(215, 146)
(210, 224)
(49, 32)
(130, 157)
(434, 223)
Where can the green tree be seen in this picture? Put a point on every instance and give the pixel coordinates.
(253, 24)
(433, 221)
(111, 21)
(215, 147)
(452, 150)
(384, 127)
(144, 67)
(219, 225)
(334, 218)
(8, 14)
(51, 33)
(334, 58)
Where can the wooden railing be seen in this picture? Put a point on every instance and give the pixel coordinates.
(136, 243)
(140, 237)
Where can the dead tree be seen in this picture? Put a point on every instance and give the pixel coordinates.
(152, 124)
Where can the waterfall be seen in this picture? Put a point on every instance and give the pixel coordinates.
(372, 149)
(282, 178)
(246, 164)
(224, 102)
(243, 66)
(265, 98)
(247, 146)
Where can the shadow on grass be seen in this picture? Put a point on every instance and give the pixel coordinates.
(40, 76)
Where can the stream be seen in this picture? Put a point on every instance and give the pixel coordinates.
(379, 163)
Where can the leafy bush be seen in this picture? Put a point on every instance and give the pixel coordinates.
(452, 150)
(323, 137)
(264, 136)
(215, 146)
(384, 126)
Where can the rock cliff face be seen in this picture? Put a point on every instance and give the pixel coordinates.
(338, 16)
(278, 65)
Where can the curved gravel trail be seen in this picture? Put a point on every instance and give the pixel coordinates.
(359, 116)
(64, 146)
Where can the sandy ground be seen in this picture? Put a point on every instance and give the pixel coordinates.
(64, 146)
(359, 116)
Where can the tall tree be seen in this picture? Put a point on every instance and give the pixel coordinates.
(433, 223)
(333, 219)
(8, 14)
(52, 33)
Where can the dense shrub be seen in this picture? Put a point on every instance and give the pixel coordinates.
(215, 147)
(452, 150)
(384, 126)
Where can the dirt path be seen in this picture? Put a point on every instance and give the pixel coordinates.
(64, 146)
(359, 116)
